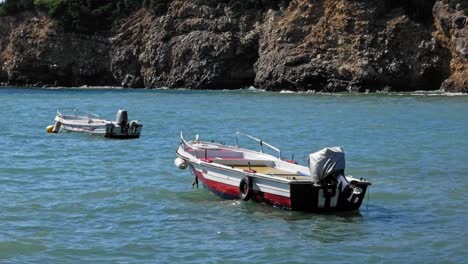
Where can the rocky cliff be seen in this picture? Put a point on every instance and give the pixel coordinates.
(321, 45)
(452, 34)
(34, 50)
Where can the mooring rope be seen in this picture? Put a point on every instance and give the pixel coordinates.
(368, 194)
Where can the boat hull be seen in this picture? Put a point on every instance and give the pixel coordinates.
(301, 196)
(100, 127)
(123, 133)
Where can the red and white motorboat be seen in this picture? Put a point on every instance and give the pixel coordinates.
(233, 172)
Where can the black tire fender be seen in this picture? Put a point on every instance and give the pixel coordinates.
(245, 188)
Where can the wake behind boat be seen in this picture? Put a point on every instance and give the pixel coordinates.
(92, 124)
(233, 172)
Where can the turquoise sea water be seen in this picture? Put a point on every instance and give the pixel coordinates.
(74, 198)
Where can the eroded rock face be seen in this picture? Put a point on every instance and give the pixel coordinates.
(195, 46)
(35, 51)
(322, 45)
(341, 45)
(452, 33)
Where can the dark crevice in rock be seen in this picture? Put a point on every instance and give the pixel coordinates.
(418, 10)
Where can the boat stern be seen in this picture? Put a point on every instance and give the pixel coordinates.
(132, 130)
(122, 128)
(327, 197)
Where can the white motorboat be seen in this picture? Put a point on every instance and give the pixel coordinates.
(92, 124)
(233, 172)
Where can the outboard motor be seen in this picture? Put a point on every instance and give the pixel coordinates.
(133, 126)
(327, 167)
(122, 118)
(326, 162)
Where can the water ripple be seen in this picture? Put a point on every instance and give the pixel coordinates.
(72, 198)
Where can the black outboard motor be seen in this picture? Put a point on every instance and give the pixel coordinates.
(122, 118)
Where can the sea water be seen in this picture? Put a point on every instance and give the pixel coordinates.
(77, 198)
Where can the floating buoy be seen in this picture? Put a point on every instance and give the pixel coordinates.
(50, 129)
(54, 128)
(180, 163)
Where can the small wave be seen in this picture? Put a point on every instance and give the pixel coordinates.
(100, 87)
(297, 92)
(251, 88)
(429, 93)
(287, 92)
(84, 87)
(54, 88)
(456, 94)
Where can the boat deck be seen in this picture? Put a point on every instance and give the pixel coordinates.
(266, 170)
(273, 172)
(236, 160)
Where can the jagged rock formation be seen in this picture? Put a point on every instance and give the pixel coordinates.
(36, 51)
(196, 46)
(452, 33)
(322, 45)
(348, 45)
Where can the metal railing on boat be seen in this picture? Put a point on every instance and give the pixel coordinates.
(184, 143)
(261, 142)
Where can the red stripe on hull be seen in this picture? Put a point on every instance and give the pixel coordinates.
(218, 187)
(232, 192)
(277, 200)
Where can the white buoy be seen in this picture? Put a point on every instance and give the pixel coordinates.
(180, 163)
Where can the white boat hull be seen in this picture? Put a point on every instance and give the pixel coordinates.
(97, 126)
